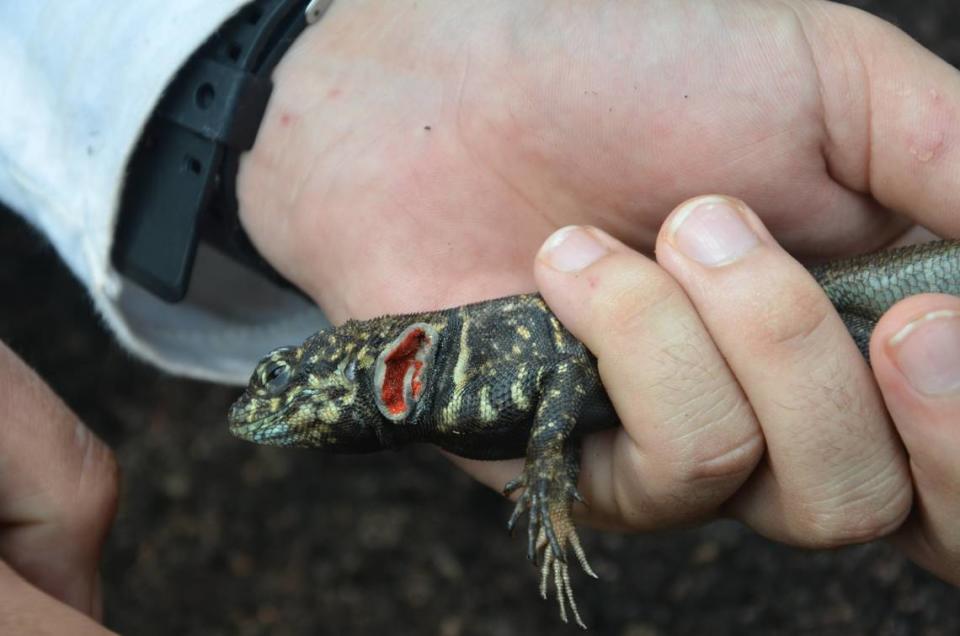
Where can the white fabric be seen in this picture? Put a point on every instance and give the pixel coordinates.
(79, 80)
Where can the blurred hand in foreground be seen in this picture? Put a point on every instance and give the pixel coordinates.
(58, 496)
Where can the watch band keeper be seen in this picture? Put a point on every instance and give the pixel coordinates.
(181, 179)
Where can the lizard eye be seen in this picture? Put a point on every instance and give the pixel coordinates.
(276, 377)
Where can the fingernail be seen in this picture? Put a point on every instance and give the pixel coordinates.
(927, 351)
(572, 249)
(712, 232)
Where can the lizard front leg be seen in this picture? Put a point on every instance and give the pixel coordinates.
(549, 480)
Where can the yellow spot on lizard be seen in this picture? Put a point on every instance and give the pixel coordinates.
(517, 394)
(487, 412)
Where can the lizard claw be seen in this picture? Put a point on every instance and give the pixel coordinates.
(560, 571)
(547, 500)
(513, 484)
(577, 496)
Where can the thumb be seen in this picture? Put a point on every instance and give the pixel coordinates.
(891, 111)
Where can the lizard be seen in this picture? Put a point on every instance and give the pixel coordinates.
(503, 378)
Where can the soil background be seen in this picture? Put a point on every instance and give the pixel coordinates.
(215, 536)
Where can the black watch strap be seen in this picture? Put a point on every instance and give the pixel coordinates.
(181, 179)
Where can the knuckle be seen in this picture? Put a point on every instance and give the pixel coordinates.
(871, 511)
(694, 419)
(715, 447)
(629, 300)
(794, 320)
(712, 433)
(724, 450)
(729, 463)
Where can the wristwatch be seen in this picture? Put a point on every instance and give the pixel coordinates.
(181, 179)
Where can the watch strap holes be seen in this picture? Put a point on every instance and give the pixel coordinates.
(192, 164)
(205, 95)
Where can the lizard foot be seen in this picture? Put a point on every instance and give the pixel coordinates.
(548, 498)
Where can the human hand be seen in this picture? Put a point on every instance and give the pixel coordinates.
(726, 343)
(58, 493)
(542, 115)
(823, 117)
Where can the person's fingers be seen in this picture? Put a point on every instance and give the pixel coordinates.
(24, 609)
(58, 489)
(915, 352)
(689, 438)
(891, 110)
(835, 470)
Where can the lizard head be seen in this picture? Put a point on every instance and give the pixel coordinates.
(311, 395)
(338, 390)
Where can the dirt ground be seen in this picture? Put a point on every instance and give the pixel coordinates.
(216, 536)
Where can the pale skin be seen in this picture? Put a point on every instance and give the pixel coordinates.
(740, 393)
(840, 131)
(58, 496)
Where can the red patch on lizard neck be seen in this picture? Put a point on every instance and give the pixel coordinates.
(403, 356)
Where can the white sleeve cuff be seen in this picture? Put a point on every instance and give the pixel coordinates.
(81, 79)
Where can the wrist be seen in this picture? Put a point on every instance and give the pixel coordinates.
(272, 175)
(394, 172)
(324, 168)
(180, 185)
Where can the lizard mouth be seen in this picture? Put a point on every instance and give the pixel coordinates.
(270, 429)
